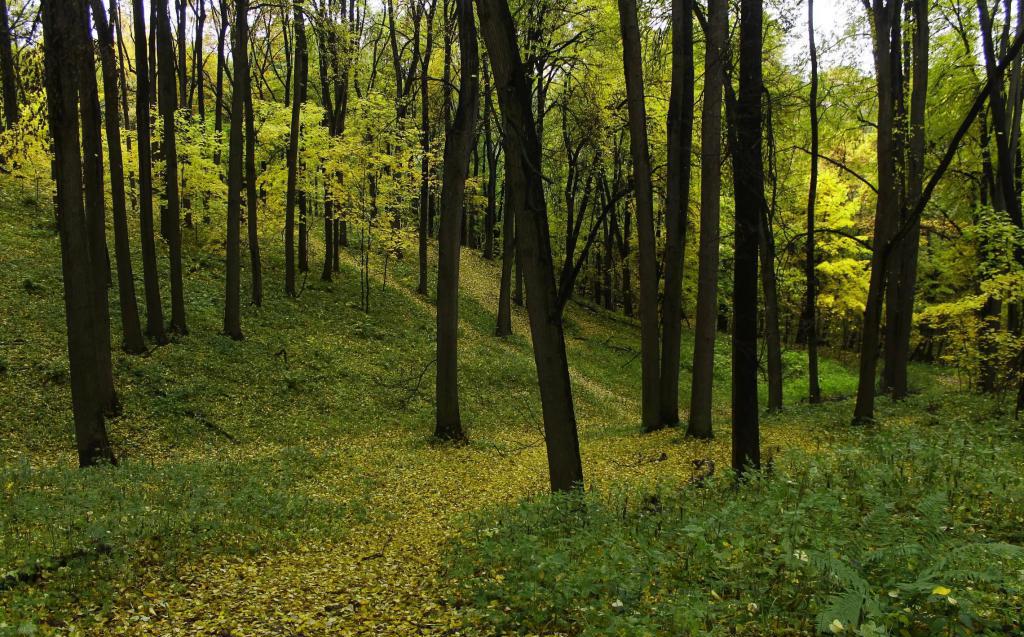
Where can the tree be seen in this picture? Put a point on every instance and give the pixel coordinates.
(632, 58)
(133, 341)
(748, 188)
(239, 85)
(10, 81)
(170, 219)
(710, 188)
(458, 144)
(251, 202)
(150, 276)
(680, 146)
(299, 96)
(63, 27)
(423, 227)
(809, 317)
(525, 198)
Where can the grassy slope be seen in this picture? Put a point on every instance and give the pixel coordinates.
(259, 496)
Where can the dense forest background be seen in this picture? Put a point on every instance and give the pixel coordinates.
(542, 317)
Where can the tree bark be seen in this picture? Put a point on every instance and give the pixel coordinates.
(632, 57)
(236, 157)
(10, 81)
(809, 317)
(170, 222)
(711, 183)
(423, 228)
(133, 341)
(150, 275)
(525, 198)
(458, 145)
(62, 31)
(251, 201)
(680, 146)
(508, 256)
(293, 150)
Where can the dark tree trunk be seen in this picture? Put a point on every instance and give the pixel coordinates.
(10, 82)
(170, 222)
(458, 145)
(809, 317)
(710, 188)
(180, 7)
(748, 186)
(150, 274)
(236, 157)
(133, 341)
(649, 352)
(95, 208)
(491, 155)
(251, 201)
(197, 53)
(63, 26)
(769, 286)
(423, 228)
(884, 13)
(218, 98)
(680, 146)
(293, 151)
(525, 199)
(508, 257)
(303, 234)
(115, 19)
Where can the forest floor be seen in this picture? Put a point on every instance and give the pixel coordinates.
(287, 484)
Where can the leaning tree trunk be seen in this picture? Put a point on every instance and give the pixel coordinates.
(150, 275)
(63, 43)
(133, 341)
(508, 256)
(457, 148)
(10, 81)
(680, 145)
(233, 262)
(748, 186)
(632, 57)
(525, 199)
(170, 220)
(710, 189)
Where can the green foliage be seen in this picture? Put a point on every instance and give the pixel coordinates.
(891, 532)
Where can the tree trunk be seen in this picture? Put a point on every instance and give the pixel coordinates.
(251, 201)
(10, 81)
(632, 57)
(508, 256)
(293, 151)
(150, 274)
(218, 100)
(710, 188)
(680, 145)
(95, 209)
(525, 199)
(133, 341)
(423, 229)
(233, 264)
(180, 48)
(748, 186)
(197, 66)
(115, 19)
(809, 317)
(170, 222)
(457, 148)
(63, 26)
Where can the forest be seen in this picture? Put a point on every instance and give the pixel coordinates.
(511, 317)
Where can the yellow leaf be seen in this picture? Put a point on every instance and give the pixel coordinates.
(940, 590)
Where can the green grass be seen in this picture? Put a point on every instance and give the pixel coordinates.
(287, 483)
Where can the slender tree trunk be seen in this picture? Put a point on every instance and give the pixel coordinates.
(525, 198)
(95, 209)
(170, 223)
(748, 186)
(133, 341)
(180, 7)
(711, 184)
(423, 229)
(883, 13)
(236, 156)
(197, 66)
(303, 234)
(649, 352)
(293, 151)
(491, 155)
(457, 148)
(809, 317)
(218, 99)
(680, 146)
(115, 19)
(62, 31)
(508, 256)
(769, 286)
(10, 81)
(251, 201)
(150, 274)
